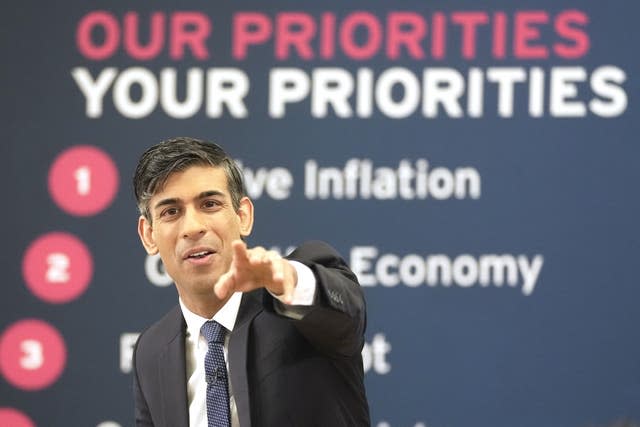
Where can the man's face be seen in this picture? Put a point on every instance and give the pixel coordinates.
(193, 225)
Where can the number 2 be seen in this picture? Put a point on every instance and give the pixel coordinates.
(58, 271)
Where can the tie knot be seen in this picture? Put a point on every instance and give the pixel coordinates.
(213, 331)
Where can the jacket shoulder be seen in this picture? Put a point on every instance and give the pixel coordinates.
(153, 339)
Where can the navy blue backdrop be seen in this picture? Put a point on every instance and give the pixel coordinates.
(474, 163)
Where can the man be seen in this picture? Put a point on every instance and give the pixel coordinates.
(290, 331)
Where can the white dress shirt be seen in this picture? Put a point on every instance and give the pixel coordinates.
(196, 345)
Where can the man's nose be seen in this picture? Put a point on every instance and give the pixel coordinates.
(194, 224)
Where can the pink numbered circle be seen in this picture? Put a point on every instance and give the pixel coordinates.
(14, 418)
(32, 354)
(83, 180)
(57, 267)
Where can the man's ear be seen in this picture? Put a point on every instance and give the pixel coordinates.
(145, 231)
(245, 215)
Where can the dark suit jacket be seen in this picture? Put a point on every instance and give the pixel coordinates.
(283, 372)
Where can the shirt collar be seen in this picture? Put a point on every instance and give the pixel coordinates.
(226, 316)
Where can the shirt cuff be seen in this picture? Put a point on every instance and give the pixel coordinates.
(305, 290)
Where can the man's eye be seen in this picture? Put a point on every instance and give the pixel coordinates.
(209, 204)
(169, 212)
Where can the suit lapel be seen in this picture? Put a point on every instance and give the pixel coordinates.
(238, 345)
(173, 376)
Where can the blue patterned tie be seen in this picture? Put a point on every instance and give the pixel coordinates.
(216, 375)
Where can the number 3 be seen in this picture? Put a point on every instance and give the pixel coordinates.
(33, 354)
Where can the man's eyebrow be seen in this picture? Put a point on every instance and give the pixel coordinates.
(210, 193)
(164, 202)
(175, 200)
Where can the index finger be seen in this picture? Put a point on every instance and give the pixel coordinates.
(240, 251)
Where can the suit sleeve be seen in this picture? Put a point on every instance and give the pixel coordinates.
(336, 322)
(142, 414)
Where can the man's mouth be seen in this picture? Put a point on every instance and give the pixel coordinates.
(199, 255)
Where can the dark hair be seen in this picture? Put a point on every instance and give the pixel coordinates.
(176, 155)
